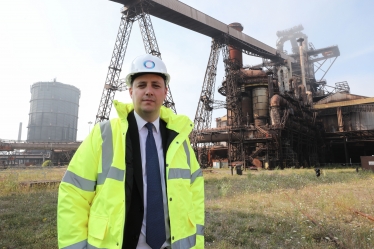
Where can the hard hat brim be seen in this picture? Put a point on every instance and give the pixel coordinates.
(129, 76)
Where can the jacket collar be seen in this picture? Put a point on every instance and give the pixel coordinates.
(179, 123)
(141, 122)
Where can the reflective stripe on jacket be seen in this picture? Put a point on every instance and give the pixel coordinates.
(91, 200)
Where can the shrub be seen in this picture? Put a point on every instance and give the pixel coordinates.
(47, 163)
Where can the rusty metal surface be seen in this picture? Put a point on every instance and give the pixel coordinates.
(247, 109)
(330, 123)
(5, 147)
(298, 135)
(254, 73)
(213, 137)
(234, 53)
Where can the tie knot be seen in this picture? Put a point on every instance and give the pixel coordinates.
(149, 126)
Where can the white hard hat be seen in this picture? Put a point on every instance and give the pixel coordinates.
(147, 64)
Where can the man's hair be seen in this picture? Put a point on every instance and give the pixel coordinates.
(133, 77)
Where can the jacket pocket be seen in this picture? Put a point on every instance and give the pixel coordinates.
(191, 218)
(97, 226)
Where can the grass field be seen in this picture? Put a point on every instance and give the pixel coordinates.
(28, 215)
(289, 208)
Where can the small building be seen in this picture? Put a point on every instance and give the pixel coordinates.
(348, 124)
(221, 121)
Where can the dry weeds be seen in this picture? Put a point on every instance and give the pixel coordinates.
(289, 209)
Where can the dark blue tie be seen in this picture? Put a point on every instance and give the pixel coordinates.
(155, 233)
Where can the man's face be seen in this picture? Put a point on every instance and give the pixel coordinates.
(148, 92)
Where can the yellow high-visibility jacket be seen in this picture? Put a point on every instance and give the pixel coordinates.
(91, 200)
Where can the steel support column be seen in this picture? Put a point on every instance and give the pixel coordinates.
(112, 82)
(151, 47)
(234, 106)
(233, 96)
(203, 116)
(112, 79)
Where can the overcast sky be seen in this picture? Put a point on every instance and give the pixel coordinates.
(72, 41)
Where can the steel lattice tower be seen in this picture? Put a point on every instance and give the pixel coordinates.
(203, 117)
(112, 83)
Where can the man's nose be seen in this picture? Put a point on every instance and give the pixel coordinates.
(148, 91)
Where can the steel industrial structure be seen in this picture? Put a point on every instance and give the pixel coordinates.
(137, 12)
(53, 113)
(278, 113)
(270, 114)
(23, 152)
(52, 127)
(283, 115)
(180, 14)
(224, 37)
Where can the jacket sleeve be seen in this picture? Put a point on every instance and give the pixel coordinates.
(76, 191)
(197, 187)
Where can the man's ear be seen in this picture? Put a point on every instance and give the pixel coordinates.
(166, 91)
(130, 91)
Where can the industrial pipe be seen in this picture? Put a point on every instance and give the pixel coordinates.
(302, 60)
(236, 55)
(293, 83)
(270, 86)
(302, 93)
(275, 103)
(226, 137)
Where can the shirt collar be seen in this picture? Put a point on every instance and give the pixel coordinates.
(141, 122)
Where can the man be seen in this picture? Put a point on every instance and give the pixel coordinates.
(135, 182)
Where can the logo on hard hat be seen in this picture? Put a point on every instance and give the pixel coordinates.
(149, 64)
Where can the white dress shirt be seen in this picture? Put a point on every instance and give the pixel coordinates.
(143, 133)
